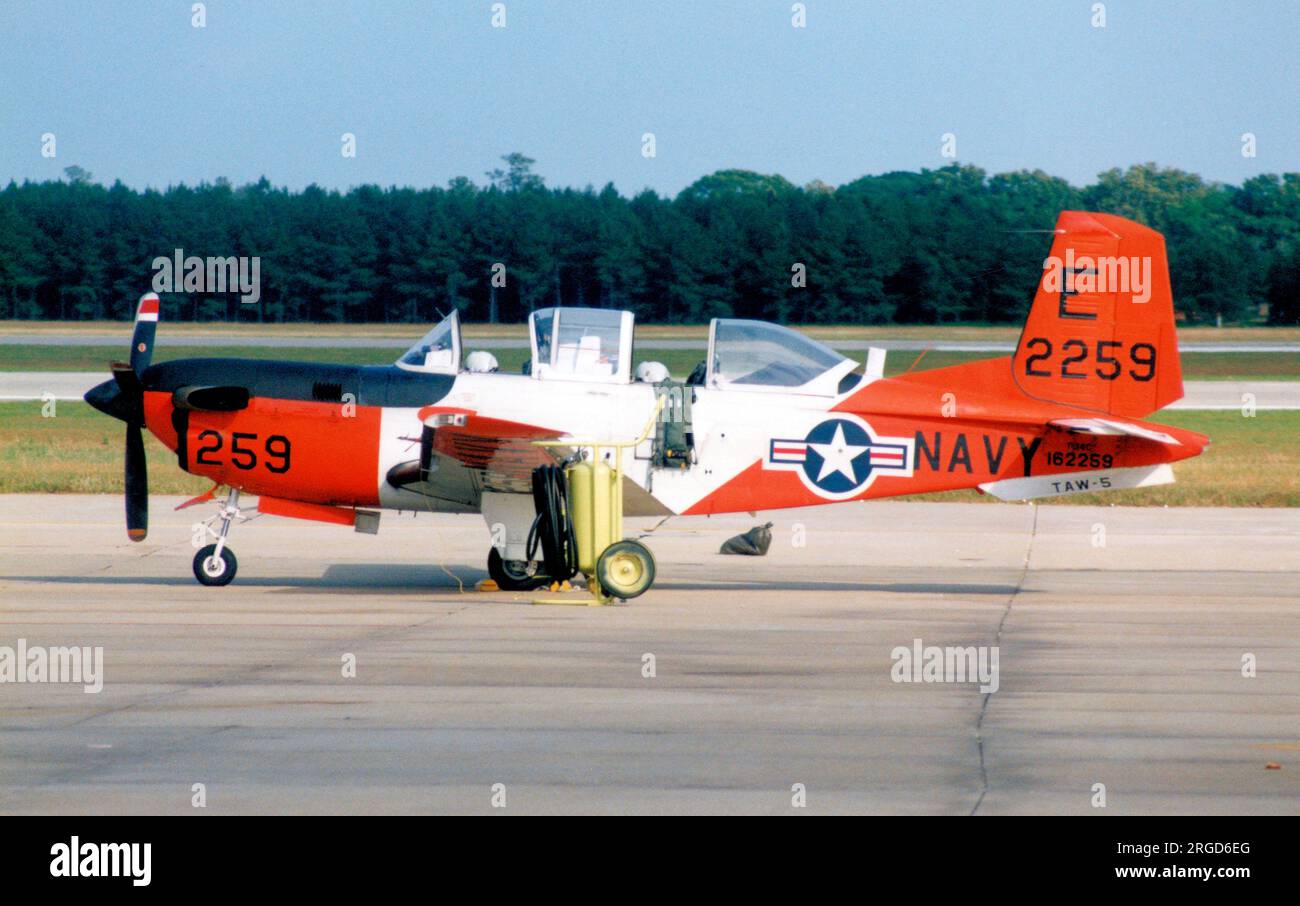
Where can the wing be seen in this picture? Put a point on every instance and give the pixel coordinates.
(471, 453)
(499, 451)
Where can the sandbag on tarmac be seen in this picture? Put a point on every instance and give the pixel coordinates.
(753, 543)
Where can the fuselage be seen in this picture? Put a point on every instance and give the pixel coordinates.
(336, 435)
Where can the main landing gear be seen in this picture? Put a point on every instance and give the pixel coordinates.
(215, 564)
(514, 575)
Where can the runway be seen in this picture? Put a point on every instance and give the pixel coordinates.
(72, 385)
(1120, 635)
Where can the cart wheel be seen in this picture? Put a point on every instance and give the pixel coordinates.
(210, 570)
(512, 575)
(626, 569)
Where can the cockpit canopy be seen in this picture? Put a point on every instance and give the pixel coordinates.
(438, 351)
(595, 345)
(757, 355)
(581, 344)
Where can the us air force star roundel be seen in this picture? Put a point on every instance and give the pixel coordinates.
(841, 456)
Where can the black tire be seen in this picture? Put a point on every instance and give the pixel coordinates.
(626, 569)
(509, 577)
(229, 565)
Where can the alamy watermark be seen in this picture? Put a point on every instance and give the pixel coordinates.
(179, 274)
(1130, 275)
(932, 664)
(53, 664)
(75, 859)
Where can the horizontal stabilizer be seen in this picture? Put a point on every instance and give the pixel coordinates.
(1107, 427)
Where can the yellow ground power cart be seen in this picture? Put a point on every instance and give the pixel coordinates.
(615, 567)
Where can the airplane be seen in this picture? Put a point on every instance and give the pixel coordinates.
(770, 419)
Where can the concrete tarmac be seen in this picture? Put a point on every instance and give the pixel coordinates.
(1121, 635)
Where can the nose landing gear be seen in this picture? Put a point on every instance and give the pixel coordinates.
(216, 564)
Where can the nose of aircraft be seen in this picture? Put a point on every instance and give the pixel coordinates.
(107, 398)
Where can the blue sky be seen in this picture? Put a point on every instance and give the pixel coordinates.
(431, 90)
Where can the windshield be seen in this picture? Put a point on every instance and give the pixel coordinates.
(769, 355)
(542, 321)
(588, 342)
(582, 343)
(437, 349)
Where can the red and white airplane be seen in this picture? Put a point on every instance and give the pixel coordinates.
(769, 419)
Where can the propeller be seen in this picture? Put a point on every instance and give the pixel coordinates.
(123, 398)
(137, 486)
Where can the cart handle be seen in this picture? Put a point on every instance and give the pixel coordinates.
(617, 445)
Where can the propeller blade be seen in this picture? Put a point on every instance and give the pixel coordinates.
(146, 325)
(137, 485)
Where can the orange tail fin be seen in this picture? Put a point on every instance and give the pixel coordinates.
(1100, 334)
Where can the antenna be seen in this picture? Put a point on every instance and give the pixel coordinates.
(918, 359)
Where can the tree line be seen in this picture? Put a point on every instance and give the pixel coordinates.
(938, 246)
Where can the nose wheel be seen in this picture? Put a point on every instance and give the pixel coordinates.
(215, 568)
(216, 564)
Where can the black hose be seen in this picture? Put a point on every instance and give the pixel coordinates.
(552, 528)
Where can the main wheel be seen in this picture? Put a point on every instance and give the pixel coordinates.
(210, 570)
(512, 575)
(626, 569)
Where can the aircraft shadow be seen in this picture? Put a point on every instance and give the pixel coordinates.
(352, 577)
(347, 577)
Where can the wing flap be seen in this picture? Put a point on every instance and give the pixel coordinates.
(500, 449)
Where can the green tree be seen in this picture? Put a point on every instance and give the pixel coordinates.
(935, 246)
